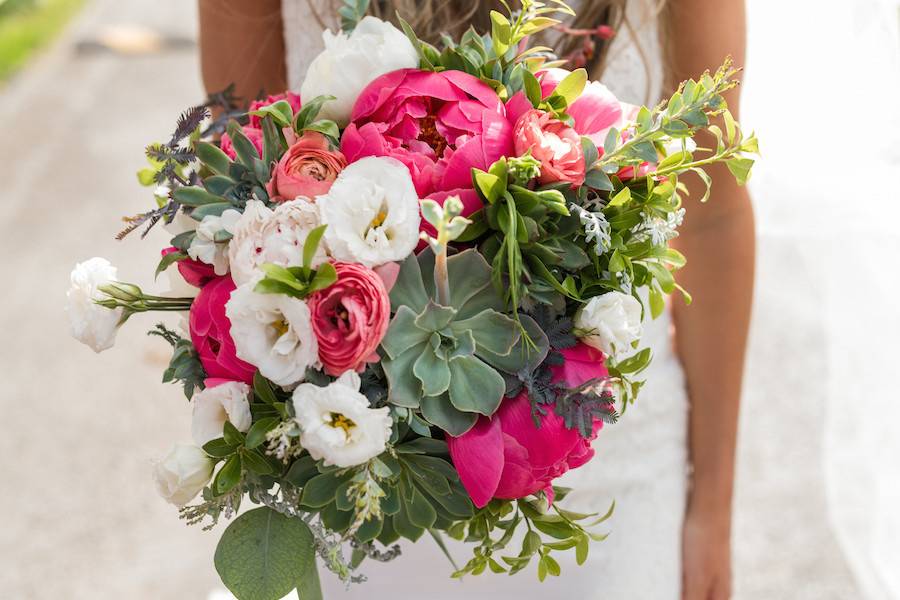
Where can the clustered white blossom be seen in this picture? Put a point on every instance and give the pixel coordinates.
(350, 62)
(210, 244)
(660, 230)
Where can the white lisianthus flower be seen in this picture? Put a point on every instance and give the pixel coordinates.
(337, 424)
(372, 213)
(351, 62)
(92, 324)
(610, 323)
(264, 236)
(229, 401)
(204, 246)
(182, 474)
(273, 332)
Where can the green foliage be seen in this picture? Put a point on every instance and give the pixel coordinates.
(307, 120)
(28, 25)
(264, 555)
(548, 530)
(444, 360)
(351, 13)
(185, 366)
(299, 282)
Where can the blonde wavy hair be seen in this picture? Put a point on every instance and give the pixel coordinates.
(431, 18)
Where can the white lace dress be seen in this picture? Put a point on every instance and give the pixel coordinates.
(641, 462)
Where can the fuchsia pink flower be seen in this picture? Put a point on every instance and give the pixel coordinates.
(307, 169)
(194, 272)
(253, 134)
(556, 145)
(506, 456)
(211, 333)
(292, 98)
(594, 113)
(440, 125)
(350, 318)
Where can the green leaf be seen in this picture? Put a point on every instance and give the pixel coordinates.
(325, 127)
(244, 149)
(404, 389)
(281, 112)
(423, 445)
(310, 111)
(213, 157)
(438, 411)
(210, 210)
(490, 186)
(532, 88)
(253, 461)
(303, 469)
(264, 555)
(168, 260)
(474, 386)
(320, 490)
(257, 433)
(403, 333)
(622, 197)
(571, 87)
(433, 371)
(232, 435)
(310, 588)
(419, 509)
(326, 275)
(493, 331)
(263, 389)
(228, 476)
(501, 31)
(219, 448)
(196, 196)
(740, 167)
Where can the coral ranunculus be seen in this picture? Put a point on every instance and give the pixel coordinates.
(307, 169)
(556, 145)
(350, 318)
(440, 125)
(508, 457)
(211, 333)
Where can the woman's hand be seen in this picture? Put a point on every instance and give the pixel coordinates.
(706, 556)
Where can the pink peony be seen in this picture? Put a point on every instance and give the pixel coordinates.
(307, 169)
(350, 318)
(254, 135)
(556, 145)
(440, 125)
(507, 456)
(594, 113)
(210, 333)
(292, 98)
(196, 273)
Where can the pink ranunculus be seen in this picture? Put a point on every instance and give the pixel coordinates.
(292, 98)
(440, 125)
(211, 333)
(595, 112)
(556, 145)
(308, 169)
(253, 134)
(196, 273)
(506, 456)
(350, 318)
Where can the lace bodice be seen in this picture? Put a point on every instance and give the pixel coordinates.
(634, 69)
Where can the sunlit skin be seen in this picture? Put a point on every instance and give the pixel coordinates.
(717, 237)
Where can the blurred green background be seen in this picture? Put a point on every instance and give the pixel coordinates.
(28, 25)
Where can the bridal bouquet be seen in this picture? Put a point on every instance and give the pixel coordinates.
(412, 296)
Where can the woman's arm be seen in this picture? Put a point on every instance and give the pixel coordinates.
(242, 43)
(711, 334)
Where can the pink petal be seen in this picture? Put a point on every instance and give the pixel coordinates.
(478, 458)
(546, 446)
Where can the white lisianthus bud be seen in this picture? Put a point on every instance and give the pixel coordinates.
(92, 324)
(273, 332)
(372, 213)
(182, 474)
(351, 62)
(206, 248)
(610, 323)
(337, 424)
(229, 401)
(263, 236)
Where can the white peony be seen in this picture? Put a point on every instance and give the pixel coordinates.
(337, 424)
(264, 236)
(213, 406)
(273, 332)
(205, 248)
(350, 63)
(92, 324)
(610, 323)
(372, 213)
(182, 474)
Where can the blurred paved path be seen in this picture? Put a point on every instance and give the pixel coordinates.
(80, 516)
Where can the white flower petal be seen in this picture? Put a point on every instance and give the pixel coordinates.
(92, 324)
(213, 406)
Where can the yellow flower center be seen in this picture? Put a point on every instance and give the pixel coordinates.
(281, 327)
(339, 421)
(379, 219)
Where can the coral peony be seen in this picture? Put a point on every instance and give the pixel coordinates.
(440, 125)
(507, 456)
(211, 333)
(307, 169)
(350, 318)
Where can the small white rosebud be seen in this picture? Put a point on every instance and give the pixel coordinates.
(610, 323)
(182, 474)
(229, 401)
